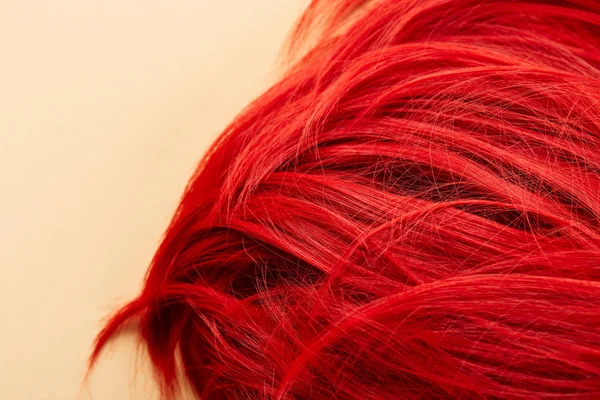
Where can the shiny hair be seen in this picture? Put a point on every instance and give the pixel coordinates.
(412, 211)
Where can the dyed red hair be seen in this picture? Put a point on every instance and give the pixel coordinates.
(411, 212)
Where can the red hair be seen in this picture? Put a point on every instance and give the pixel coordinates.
(411, 212)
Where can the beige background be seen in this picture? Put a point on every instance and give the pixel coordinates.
(105, 108)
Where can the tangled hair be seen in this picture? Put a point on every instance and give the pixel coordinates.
(411, 212)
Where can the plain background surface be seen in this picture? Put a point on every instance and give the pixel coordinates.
(105, 108)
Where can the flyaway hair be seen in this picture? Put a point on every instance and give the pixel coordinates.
(411, 212)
